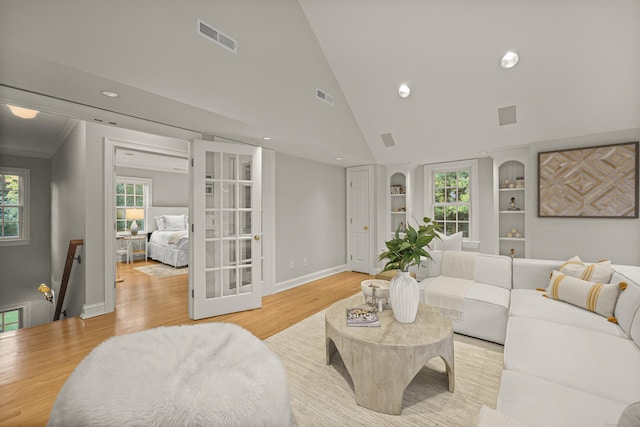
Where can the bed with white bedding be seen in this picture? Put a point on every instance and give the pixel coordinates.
(169, 238)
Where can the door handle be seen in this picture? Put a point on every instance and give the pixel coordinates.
(365, 228)
(256, 237)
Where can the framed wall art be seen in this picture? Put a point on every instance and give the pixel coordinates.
(590, 182)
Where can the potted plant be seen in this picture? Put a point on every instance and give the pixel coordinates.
(403, 251)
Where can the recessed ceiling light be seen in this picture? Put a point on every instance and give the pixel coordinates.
(509, 60)
(23, 113)
(109, 93)
(404, 90)
(266, 138)
(338, 158)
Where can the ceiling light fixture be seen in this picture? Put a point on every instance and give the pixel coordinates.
(509, 60)
(338, 158)
(266, 138)
(404, 90)
(23, 113)
(109, 93)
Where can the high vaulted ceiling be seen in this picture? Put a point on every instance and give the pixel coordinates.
(579, 71)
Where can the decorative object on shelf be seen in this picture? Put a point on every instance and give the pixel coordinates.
(397, 189)
(133, 215)
(512, 253)
(607, 174)
(512, 233)
(512, 205)
(506, 184)
(403, 251)
(520, 182)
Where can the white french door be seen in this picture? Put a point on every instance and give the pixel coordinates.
(225, 245)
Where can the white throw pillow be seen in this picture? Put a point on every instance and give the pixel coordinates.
(597, 297)
(159, 222)
(448, 243)
(596, 272)
(174, 222)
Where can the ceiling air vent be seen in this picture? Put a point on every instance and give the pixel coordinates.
(507, 115)
(387, 140)
(324, 96)
(218, 37)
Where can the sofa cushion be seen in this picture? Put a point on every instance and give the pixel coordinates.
(599, 272)
(459, 264)
(586, 360)
(493, 270)
(532, 273)
(529, 303)
(485, 313)
(547, 404)
(452, 242)
(596, 297)
(629, 300)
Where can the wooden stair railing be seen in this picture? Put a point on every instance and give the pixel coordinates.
(71, 252)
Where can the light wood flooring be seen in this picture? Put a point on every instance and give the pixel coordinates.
(35, 362)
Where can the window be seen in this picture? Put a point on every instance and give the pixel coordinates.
(132, 193)
(14, 206)
(450, 200)
(10, 320)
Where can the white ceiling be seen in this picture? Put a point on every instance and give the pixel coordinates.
(579, 71)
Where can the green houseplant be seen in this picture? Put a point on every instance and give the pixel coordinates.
(406, 249)
(403, 251)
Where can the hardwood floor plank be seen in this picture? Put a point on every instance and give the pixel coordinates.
(35, 362)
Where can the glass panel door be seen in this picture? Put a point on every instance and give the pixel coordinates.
(226, 247)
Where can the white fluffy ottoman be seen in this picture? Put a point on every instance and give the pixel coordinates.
(213, 374)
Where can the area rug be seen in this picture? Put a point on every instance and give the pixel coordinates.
(160, 271)
(322, 395)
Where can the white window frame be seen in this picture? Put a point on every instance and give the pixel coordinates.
(25, 314)
(25, 178)
(148, 191)
(472, 166)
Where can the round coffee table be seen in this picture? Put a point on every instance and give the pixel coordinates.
(383, 360)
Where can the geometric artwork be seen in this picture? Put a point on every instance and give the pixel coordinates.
(592, 182)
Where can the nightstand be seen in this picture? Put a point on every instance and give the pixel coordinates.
(136, 245)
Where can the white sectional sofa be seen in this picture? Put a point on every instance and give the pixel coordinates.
(486, 304)
(563, 365)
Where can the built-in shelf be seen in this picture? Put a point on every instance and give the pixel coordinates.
(398, 204)
(511, 193)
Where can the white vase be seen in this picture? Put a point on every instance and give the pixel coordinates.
(405, 294)
(134, 228)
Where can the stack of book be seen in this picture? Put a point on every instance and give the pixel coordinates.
(362, 316)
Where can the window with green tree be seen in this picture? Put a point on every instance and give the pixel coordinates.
(10, 320)
(451, 204)
(14, 208)
(131, 193)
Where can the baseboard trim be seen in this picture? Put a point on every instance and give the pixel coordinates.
(92, 310)
(297, 281)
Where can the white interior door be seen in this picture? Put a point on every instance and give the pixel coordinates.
(360, 219)
(225, 245)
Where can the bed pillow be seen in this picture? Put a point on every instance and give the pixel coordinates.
(174, 222)
(596, 297)
(599, 272)
(159, 222)
(447, 243)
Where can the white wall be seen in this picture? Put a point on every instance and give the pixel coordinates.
(168, 189)
(68, 175)
(24, 267)
(592, 239)
(311, 216)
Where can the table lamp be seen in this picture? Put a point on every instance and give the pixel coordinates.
(133, 215)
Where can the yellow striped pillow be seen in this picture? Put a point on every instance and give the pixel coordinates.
(597, 297)
(597, 272)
